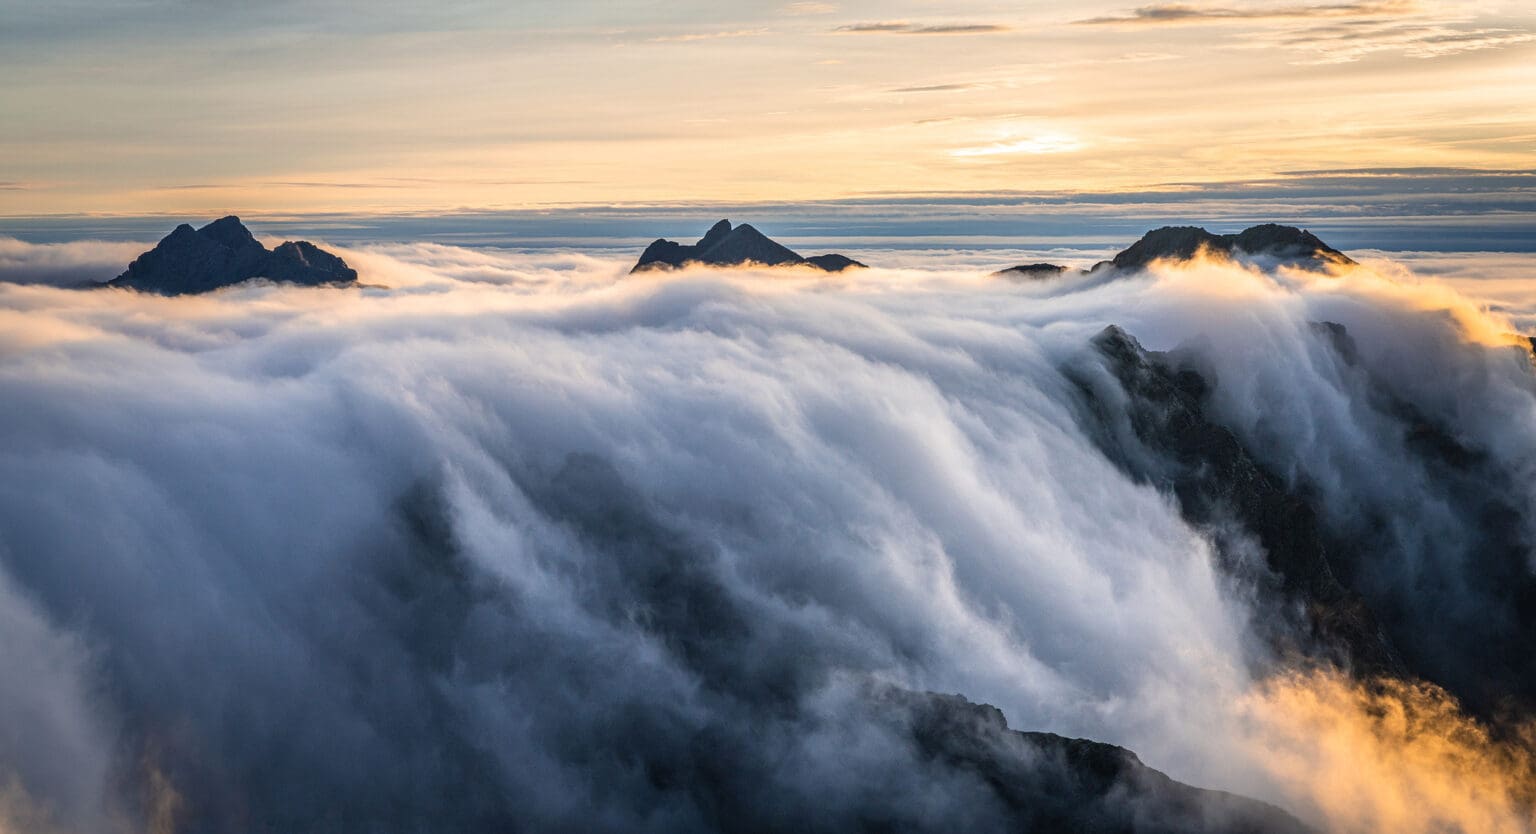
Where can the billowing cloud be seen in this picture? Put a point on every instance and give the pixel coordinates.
(74, 264)
(519, 538)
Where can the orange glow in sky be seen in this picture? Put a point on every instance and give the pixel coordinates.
(143, 107)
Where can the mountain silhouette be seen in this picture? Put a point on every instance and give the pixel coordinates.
(224, 253)
(724, 245)
(1286, 244)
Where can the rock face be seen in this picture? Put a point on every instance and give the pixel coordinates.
(1465, 623)
(724, 245)
(1162, 435)
(1053, 783)
(1181, 243)
(224, 253)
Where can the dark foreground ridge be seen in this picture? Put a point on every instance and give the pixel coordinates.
(224, 253)
(1049, 782)
(724, 245)
(1285, 244)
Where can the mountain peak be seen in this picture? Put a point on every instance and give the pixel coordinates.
(223, 253)
(229, 231)
(724, 245)
(1182, 243)
(715, 234)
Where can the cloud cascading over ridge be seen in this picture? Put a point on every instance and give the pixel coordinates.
(519, 533)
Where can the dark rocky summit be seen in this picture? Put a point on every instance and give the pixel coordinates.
(1286, 244)
(1181, 243)
(724, 245)
(224, 253)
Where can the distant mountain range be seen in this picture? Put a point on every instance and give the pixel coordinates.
(224, 253)
(725, 245)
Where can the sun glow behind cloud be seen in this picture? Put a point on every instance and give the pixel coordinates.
(1042, 144)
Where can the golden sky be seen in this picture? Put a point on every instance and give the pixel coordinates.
(198, 106)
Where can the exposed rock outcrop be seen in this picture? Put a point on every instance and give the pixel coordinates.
(1054, 783)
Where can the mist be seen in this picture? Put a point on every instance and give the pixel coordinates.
(513, 539)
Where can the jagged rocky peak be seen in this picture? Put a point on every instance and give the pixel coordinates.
(1181, 243)
(224, 253)
(229, 231)
(725, 245)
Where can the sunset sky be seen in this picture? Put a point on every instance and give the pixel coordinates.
(142, 107)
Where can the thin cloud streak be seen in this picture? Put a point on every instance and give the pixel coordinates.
(1044, 144)
(1183, 13)
(1344, 44)
(710, 36)
(902, 27)
(935, 88)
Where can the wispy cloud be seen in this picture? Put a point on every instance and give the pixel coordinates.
(1335, 33)
(934, 88)
(1343, 44)
(1043, 144)
(709, 36)
(1183, 13)
(902, 27)
(384, 183)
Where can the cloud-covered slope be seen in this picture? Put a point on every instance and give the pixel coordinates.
(521, 543)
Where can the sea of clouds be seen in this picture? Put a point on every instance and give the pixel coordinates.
(513, 538)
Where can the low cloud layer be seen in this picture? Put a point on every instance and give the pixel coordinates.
(64, 265)
(515, 539)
